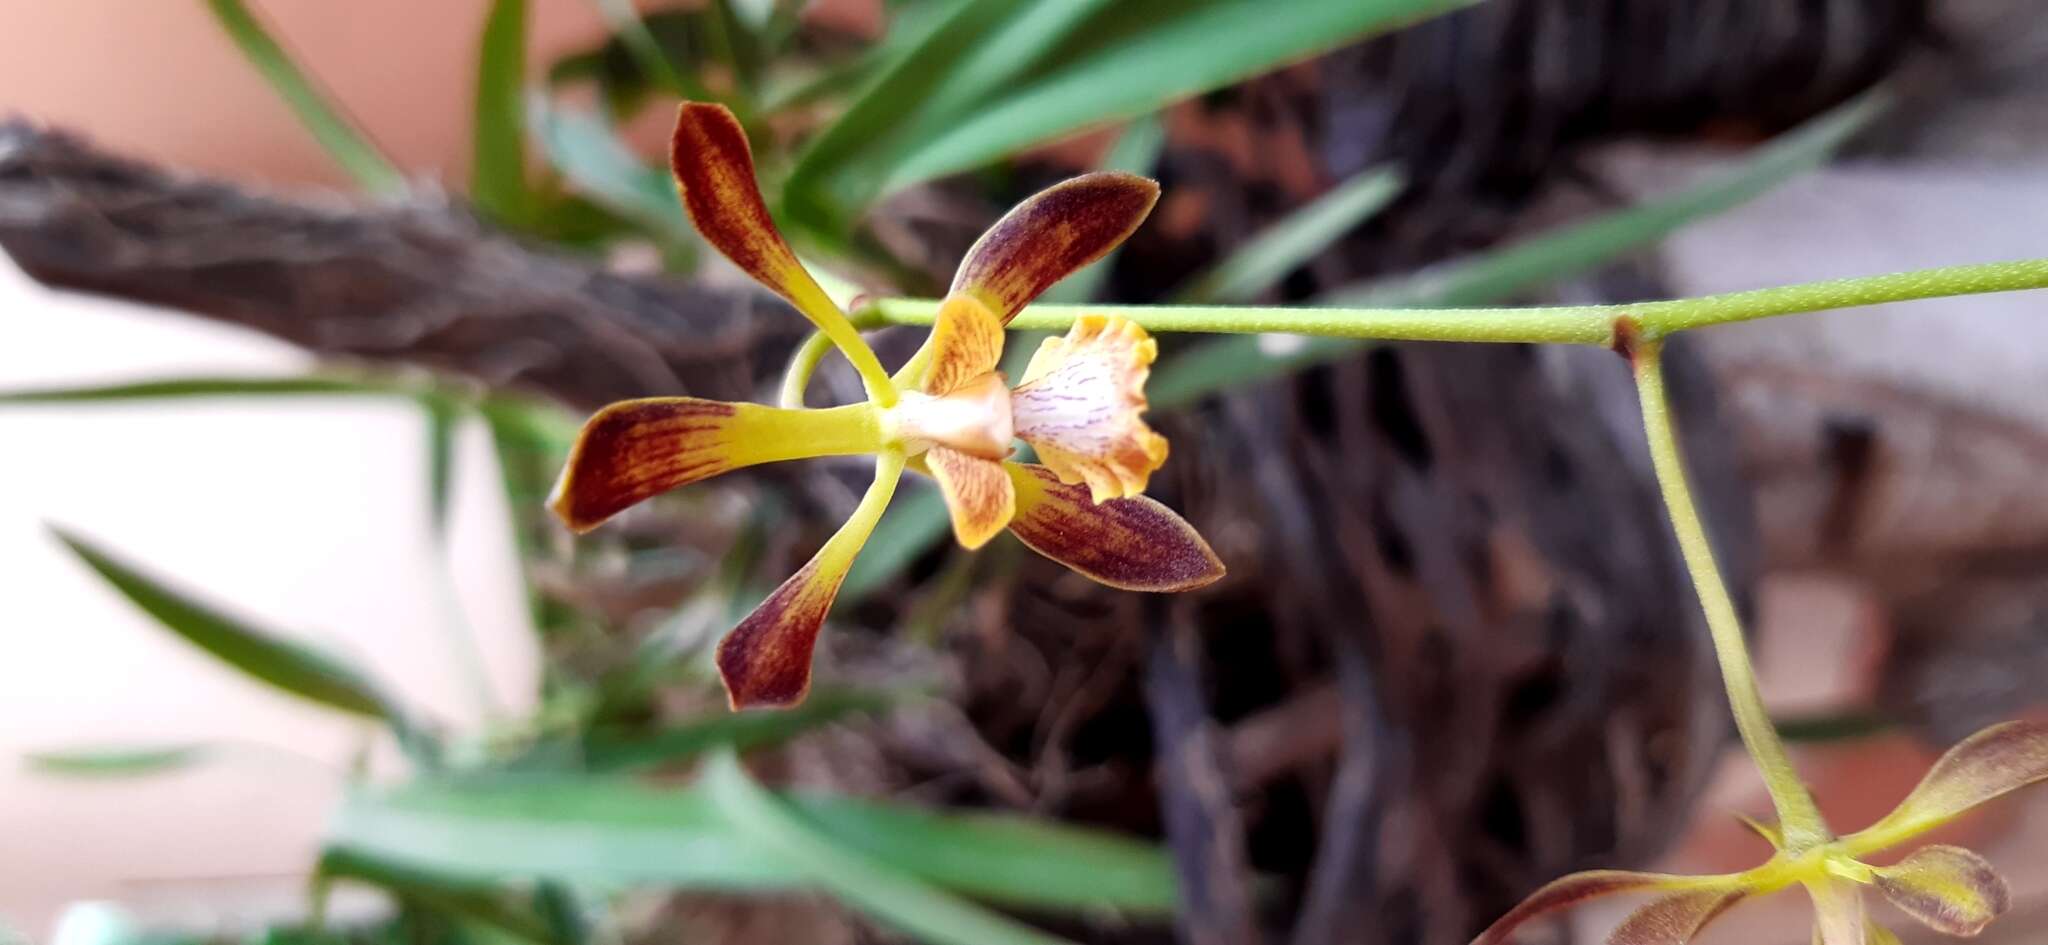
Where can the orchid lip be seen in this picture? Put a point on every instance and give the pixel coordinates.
(975, 419)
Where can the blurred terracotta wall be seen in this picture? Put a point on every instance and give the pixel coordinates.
(158, 79)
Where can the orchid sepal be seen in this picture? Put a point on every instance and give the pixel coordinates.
(633, 450)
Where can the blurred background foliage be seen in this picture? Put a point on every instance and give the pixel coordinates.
(558, 827)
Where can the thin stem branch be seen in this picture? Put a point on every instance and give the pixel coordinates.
(1799, 819)
(802, 364)
(1560, 324)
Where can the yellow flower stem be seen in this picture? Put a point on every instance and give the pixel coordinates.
(1565, 324)
(1799, 820)
(846, 337)
(802, 364)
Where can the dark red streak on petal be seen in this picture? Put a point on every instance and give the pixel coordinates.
(632, 451)
(766, 660)
(1051, 234)
(714, 171)
(1133, 544)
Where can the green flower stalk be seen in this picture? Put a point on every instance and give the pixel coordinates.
(1946, 888)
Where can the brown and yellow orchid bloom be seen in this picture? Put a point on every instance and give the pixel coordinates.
(948, 413)
(1946, 888)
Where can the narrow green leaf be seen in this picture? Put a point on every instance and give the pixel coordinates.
(1137, 56)
(1136, 151)
(213, 387)
(1494, 275)
(739, 731)
(125, 762)
(995, 856)
(497, 182)
(1490, 276)
(1001, 57)
(891, 896)
(283, 664)
(826, 187)
(586, 150)
(1262, 261)
(648, 53)
(477, 902)
(530, 440)
(442, 418)
(344, 142)
(610, 833)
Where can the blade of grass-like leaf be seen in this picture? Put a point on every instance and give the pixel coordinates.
(1136, 151)
(1001, 57)
(1137, 56)
(823, 191)
(603, 833)
(1487, 277)
(611, 833)
(283, 664)
(342, 139)
(740, 731)
(1265, 259)
(478, 902)
(212, 387)
(890, 896)
(648, 53)
(1497, 274)
(584, 148)
(442, 416)
(118, 762)
(996, 855)
(497, 177)
(531, 440)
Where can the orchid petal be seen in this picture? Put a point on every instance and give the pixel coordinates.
(1838, 917)
(1133, 544)
(636, 449)
(967, 343)
(766, 660)
(1949, 889)
(1593, 884)
(1674, 919)
(978, 492)
(1051, 234)
(1994, 761)
(714, 171)
(1081, 402)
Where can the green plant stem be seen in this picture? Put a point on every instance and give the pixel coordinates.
(1560, 324)
(802, 364)
(1798, 818)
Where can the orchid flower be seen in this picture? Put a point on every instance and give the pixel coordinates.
(1948, 889)
(948, 413)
